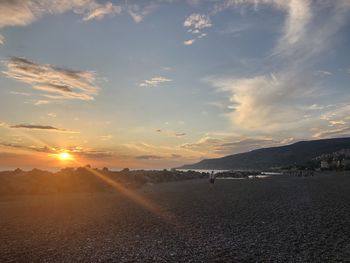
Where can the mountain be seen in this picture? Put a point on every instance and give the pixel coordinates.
(296, 153)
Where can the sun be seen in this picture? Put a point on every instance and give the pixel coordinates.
(64, 156)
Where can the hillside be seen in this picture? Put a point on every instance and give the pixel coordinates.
(297, 153)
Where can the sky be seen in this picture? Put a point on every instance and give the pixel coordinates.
(161, 83)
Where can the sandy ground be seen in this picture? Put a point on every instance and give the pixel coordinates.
(253, 220)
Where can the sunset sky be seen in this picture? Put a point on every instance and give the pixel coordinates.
(161, 83)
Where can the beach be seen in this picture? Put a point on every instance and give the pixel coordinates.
(274, 219)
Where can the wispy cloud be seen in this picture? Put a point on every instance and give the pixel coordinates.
(337, 123)
(326, 133)
(323, 73)
(334, 122)
(52, 115)
(138, 13)
(154, 82)
(2, 39)
(212, 145)
(22, 13)
(75, 150)
(95, 154)
(43, 149)
(280, 102)
(149, 157)
(20, 93)
(302, 32)
(40, 127)
(55, 82)
(264, 102)
(298, 15)
(102, 10)
(41, 102)
(106, 137)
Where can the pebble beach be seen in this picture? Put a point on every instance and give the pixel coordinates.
(275, 219)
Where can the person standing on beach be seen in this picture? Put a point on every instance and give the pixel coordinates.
(212, 177)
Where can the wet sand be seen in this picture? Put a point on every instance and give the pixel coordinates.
(254, 220)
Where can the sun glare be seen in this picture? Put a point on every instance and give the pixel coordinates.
(64, 156)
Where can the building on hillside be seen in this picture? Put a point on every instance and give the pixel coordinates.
(324, 165)
(345, 162)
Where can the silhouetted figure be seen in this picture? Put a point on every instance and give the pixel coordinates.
(212, 177)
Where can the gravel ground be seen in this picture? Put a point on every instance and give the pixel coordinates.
(254, 220)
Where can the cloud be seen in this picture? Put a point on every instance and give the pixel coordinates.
(345, 131)
(96, 154)
(265, 102)
(43, 149)
(337, 122)
(52, 115)
(41, 102)
(20, 93)
(2, 39)
(324, 73)
(337, 118)
(171, 133)
(100, 11)
(54, 82)
(244, 145)
(205, 144)
(154, 82)
(106, 137)
(316, 107)
(39, 127)
(75, 150)
(311, 35)
(16, 13)
(215, 146)
(298, 15)
(139, 13)
(308, 25)
(189, 42)
(149, 157)
(195, 24)
(24, 12)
